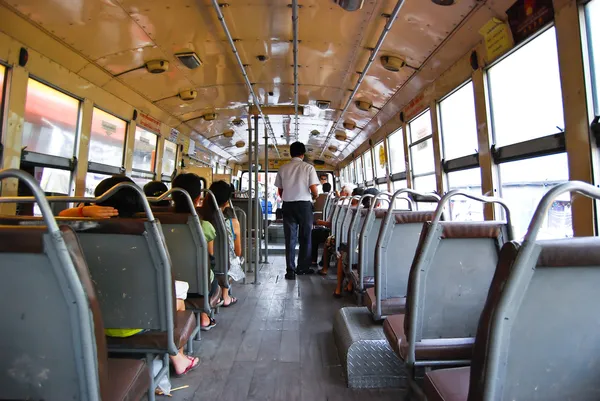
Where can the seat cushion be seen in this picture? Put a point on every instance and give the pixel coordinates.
(129, 379)
(185, 323)
(390, 306)
(195, 302)
(445, 349)
(447, 384)
(368, 281)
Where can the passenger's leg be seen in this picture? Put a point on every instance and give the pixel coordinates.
(290, 232)
(315, 246)
(340, 277)
(181, 362)
(325, 261)
(305, 217)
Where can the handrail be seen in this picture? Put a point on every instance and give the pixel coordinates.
(521, 275)
(38, 197)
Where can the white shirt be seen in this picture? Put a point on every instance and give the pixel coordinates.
(295, 178)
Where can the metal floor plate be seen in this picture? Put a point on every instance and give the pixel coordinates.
(367, 358)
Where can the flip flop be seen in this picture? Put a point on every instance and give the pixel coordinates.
(322, 273)
(233, 302)
(212, 324)
(190, 367)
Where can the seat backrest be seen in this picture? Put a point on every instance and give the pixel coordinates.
(551, 349)
(347, 223)
(243, 204)
(186, 251)
(367, 241)
(397, 244)
(320, 202)
(127, 271)
(450, 278)
(52, 338)
(353, 236)
(339, 223)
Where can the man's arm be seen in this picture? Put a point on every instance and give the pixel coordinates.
(313, 183)
(279, 184)
(314, 191)
(280, 192)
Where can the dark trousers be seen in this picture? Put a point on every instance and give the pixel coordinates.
(297, 227)
(319, 236)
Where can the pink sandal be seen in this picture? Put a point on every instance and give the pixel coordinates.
(190, 367)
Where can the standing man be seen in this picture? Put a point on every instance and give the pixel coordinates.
(297, 182)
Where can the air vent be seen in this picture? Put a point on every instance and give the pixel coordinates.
(319, 162)
(392, 63)
(189, 59)
(363, 105)
(240, 144)
(323, 104)
(228, 134)
(188, 95)
(238, 122)
(209, 116)
(157, 66)
(444, 2)
(349, 125)
(350, 5)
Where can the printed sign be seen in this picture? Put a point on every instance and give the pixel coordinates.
(191, 150)
(174, 135)
(497, 38)
(149, 123)
(109, 128)
(414, 106)
(382, 156)
(526, 17)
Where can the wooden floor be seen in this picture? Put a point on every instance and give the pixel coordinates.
(276, 344)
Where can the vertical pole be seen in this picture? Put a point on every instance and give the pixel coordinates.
(266, 196)
(85, 128)
(250, 210)
(256, 201)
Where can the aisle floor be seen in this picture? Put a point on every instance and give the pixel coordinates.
(275, 344)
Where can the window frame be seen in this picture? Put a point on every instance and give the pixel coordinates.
(418, 142)
(368, 153)
(144, 174)
(100, 168)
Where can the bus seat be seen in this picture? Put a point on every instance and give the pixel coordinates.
(162, 209)
(364, 276)
(34, 367)
(397, 249)
(454, 272)
(447, 384)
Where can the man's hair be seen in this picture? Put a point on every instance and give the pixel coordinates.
(297, 149)
(358, 191)
(326, 187)
(126, 200)
(369, 191)
(189, 182)
(154, 189)
(321, 176)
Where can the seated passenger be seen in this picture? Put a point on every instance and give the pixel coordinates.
(126, 203)
(319, 234)
(154, 189)
(366, 203)
(222, 192)
(192, 185)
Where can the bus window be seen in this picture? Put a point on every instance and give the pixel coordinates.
(461, 208)
(592, 14)
(379, 166)
(352, 173)
(368, 160)
(360, 179)
(421, 154)
(524, 182)
(525, 92)
(169, 158)
(144, 150)
(396, 152)
(526, 105)
(50, 121)
(107, 139)
(458, 123)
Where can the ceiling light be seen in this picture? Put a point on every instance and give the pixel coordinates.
(314, 132)
(392, 63)
(189, 59)
(363, 105)
(332, 149)
(262, 58)
(323, 104)
(188, 95)
(444, 2)
(349, 125)
(341, 136)
(240, 144)
(157, 66)
(238, 122)
(229, 133)
(209, 116)
(350, 5)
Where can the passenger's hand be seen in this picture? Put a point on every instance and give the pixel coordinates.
(100, 212)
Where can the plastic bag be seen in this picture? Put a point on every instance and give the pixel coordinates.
(163, 384)
(235, 269)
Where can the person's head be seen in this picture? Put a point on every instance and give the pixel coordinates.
(356, 192)
(346, 190)
(326, 188)
(297, 149)
(126, 200)
(323, 179)
(222, 192)
(154, 189)
(189, 182)
(367, 201)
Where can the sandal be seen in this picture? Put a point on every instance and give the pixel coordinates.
(212, 324)
(232, 302)
(190, 367)
(322, 273)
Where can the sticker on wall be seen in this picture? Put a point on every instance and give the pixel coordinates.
(497, 38)
(148, 122)
(382, 156)
(174, 135)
